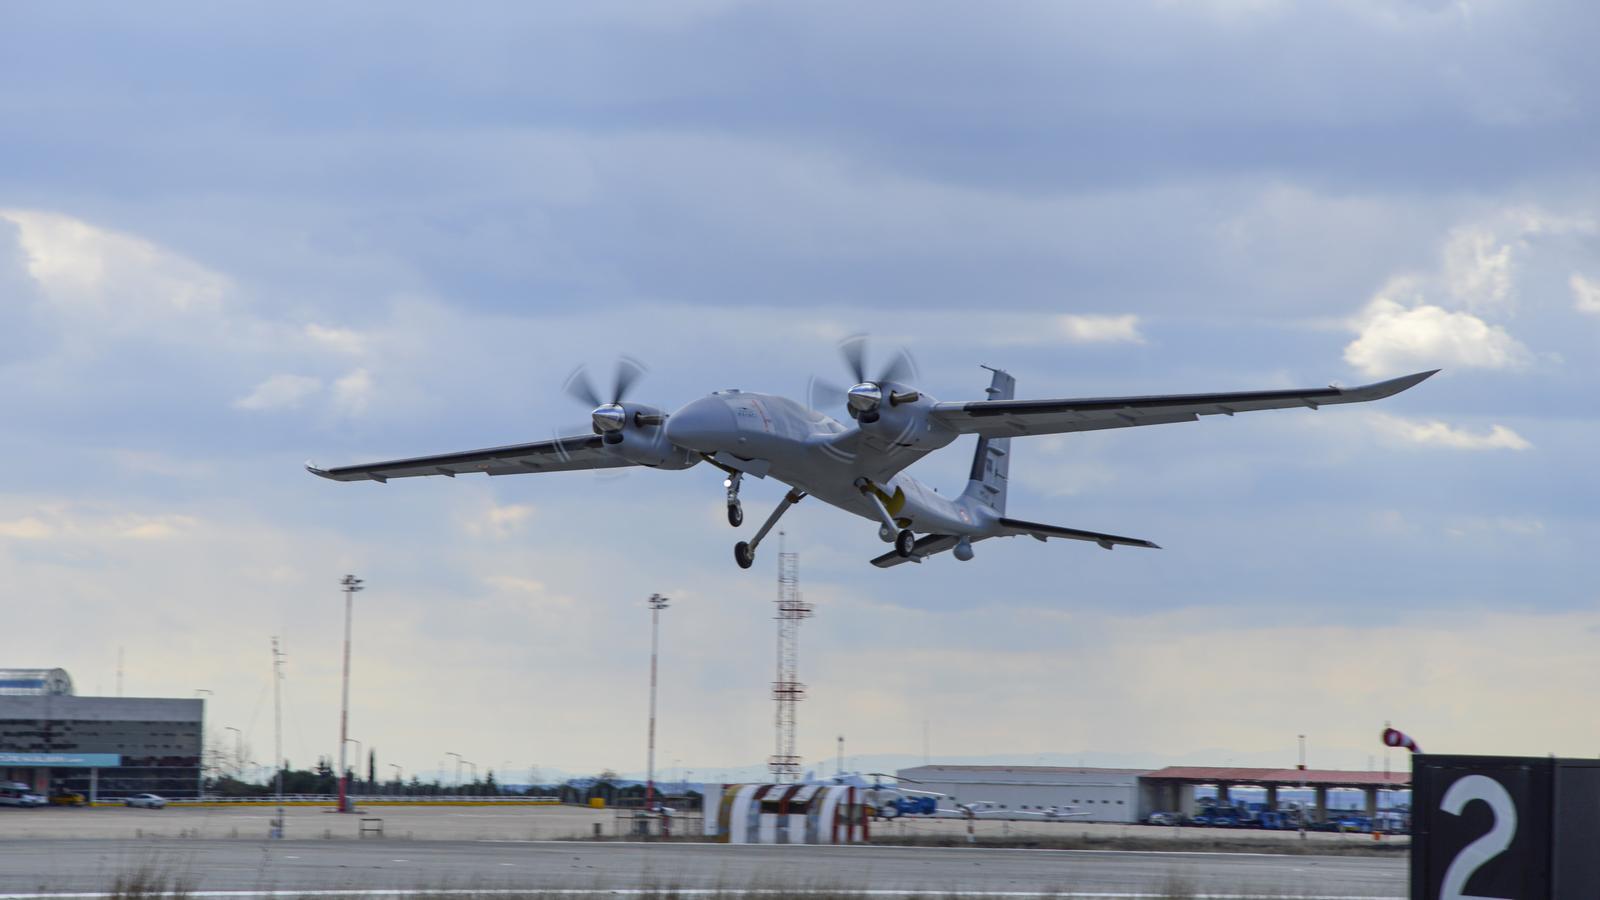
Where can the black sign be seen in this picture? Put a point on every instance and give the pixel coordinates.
(1504, 827)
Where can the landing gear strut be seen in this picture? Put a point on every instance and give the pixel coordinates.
(735, 508)
(745, 553)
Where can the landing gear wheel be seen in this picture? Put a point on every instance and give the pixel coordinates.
(735, 514)
(885, 535)
(904, 543)
(743, 555)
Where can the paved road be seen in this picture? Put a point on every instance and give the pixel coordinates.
(91, 864)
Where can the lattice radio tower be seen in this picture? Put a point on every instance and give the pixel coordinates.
(787, 689)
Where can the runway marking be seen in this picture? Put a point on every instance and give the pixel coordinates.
(683, 892)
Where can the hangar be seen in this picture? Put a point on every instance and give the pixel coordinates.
(103, 747)
(1106, 795)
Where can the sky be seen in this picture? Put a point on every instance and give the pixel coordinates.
(235, 239)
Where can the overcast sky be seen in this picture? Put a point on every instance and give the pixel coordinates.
(233, 240)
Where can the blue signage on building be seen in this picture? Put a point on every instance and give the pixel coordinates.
(63, 760)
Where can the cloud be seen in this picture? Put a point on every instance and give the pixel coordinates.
(500, 521)
(80, 266)
(342, 340)
(353, 392)
(1100, 329)
(1477, 269)
(280, 392)
(1585, 294)
(1392, 338)
(1436, 433)
(27, 528)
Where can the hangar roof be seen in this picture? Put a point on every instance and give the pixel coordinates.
(1312, 777)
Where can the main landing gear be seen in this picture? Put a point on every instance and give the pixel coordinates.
(890, 532)
(745, 553)
(735, 508)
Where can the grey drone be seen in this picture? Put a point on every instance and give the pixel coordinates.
(858, 466)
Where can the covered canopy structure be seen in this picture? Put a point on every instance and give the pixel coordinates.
(1172, 788)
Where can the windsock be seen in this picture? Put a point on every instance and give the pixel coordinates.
(1396, 738)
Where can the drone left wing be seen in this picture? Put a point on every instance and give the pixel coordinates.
(1014, 418)
(559, 455)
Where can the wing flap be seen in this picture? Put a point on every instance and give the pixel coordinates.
(1011, 418)
(559, 455)
(1041, 532)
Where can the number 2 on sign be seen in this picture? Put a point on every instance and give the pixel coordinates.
(1474, 855)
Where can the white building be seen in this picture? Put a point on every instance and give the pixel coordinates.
(1103, 795)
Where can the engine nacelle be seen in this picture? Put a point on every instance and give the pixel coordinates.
(643, 439)
(903, 420)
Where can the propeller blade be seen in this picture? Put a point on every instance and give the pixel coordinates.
(628, 372)
(902, 368)
(579, 387)
(823, 394)
(854, 351)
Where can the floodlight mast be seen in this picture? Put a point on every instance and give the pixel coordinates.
(349, 585)
(657, 604)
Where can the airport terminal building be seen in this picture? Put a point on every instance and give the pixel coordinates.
(103, 747)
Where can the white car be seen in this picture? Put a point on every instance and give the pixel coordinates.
(147, 801)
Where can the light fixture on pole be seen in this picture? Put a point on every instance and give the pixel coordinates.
(458, 769)
(657, 604)
(399, 777)
(349, 584)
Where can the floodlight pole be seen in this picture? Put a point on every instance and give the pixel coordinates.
(657, 604)
(350, 584)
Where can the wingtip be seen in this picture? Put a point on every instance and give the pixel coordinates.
(314, 469)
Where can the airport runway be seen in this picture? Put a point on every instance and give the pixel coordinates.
(51, 865)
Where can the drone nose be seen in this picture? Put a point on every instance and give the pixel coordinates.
(706, 424)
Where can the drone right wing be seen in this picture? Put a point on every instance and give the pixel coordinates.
(560, 455)
(1015, 418)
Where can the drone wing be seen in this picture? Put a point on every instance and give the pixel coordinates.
(560, 455)
(1013, 418)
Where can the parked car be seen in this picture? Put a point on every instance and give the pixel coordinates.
(1164, 818)
(68, 798)
(1225, 820)
(14, 793)
(147, 801)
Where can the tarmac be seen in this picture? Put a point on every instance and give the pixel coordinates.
(427, 848)
(90, 865)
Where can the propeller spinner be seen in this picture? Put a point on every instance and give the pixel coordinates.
(865, 399)
(609, 418)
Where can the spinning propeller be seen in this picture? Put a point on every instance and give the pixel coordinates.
(610, 417)
(866, 397)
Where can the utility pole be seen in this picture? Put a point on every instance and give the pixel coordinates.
(458, 769)
(1303, 807)
(350, 584)
(657, 604)
(238, 749)
(276, 829)
(787, 689)
(839, 768)
(399, 778)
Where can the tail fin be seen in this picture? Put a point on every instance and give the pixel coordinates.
(992, 462)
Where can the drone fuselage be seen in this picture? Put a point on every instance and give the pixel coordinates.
(767, 435)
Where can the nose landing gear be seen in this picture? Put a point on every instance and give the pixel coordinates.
(735, 508)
